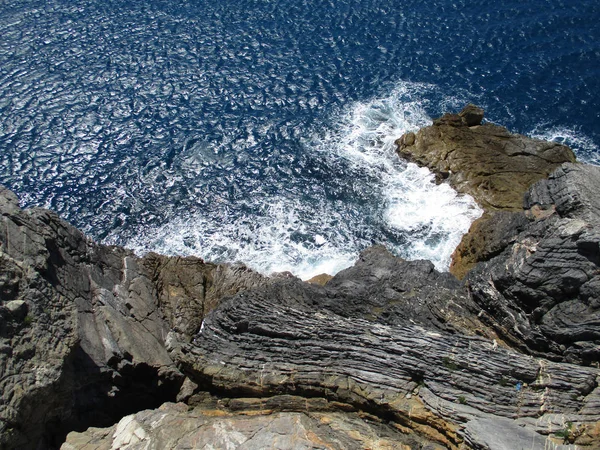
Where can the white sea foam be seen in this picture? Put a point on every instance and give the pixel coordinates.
(584, 147)
(433, 217)
(414, 217)
(267, 242)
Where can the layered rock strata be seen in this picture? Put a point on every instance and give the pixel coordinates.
(542, 290)
(314, 367)
(85, 328)
(487, 162)
(387, 354)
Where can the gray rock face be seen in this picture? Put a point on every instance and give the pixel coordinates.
(76, 328)
(83, 326)
(542, 291)
(390, 290)
(285, 340)
(504, 434)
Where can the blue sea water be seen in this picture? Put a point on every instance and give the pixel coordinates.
(262, 131)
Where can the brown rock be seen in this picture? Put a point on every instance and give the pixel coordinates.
(321, 279)
(408, 139)
(487, 162)
(487, 237)
(472, 115)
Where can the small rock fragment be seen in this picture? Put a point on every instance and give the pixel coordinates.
(18, 308)
(473, 115)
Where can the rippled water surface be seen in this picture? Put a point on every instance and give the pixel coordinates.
(263, 131)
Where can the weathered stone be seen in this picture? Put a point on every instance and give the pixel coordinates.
(172, 426)
(188, 288)
(286, 339)
(9, 202)
(506, 434)
(487, 236)
(541, 291)
(472, 115)
(487, 162)
(408, 139)
(18, 308)
(390, 290)
(188, 388)
(82, 334)
(321, 279)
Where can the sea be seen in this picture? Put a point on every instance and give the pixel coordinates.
(262, 131)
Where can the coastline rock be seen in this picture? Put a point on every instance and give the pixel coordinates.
(321, 279)
(286, 340)
(83, 326)
(542, 291)
(488, 236)
(472, 115)
(188, 288)
(389, 290)
(387, 354)
(174, 426)
(485, 161)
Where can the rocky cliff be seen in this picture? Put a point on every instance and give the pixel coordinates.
(85, 329)
(487, 162)
(178, 353)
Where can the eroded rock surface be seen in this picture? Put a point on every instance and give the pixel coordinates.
(386, 354)
(285, 340)
(487, 162)
(83, 327)
(542, 290)
(175, 426)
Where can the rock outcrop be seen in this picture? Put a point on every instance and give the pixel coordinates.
(487, 162)
(263, 426)
(542, 290)
(539, 254)
(283, 363)
(84, 327)
(388, 354)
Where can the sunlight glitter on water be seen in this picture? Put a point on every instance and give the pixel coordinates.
(416, 218)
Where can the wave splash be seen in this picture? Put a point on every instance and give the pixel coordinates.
(425, 220)
(583, 146)
(384, 200)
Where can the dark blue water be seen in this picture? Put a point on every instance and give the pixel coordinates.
(262, 131)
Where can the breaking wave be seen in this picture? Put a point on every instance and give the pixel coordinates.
(383, 200)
